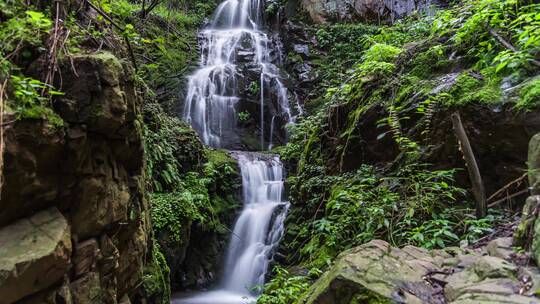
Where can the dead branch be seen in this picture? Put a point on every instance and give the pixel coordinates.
(508, 197)
(507, 186)
(508, 45)
(55, 42)
(2, 91)
(472, 166)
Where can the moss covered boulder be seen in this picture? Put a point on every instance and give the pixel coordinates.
(378, 273)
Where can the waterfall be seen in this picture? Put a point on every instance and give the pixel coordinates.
(256, 233)
(234, 35)
(210, 107)
(260, 225)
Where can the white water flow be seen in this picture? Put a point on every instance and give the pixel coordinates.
(235, 34)
(256, 233)
(234, 37)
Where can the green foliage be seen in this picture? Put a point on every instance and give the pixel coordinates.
(155, 282)
(244, 116)
(362, 206)
(171, 148)
(172, 210)
(380, 52)
(163, 169)
(253, 88)
(198, 198)
(474, 25)
(341, 45)
(529, 96)
(27, 101)
(473, 90)
(284, 287)
(23, 29)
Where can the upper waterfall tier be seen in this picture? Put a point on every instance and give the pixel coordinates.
(238, 14)
(238, 72)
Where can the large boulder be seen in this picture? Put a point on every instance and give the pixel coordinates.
(34, 254)
(378, 273)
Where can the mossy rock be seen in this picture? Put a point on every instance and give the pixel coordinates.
(375, 273)
(534, 164)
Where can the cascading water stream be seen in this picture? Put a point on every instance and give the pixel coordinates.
(260, 225)
(256, 233)
(213, 93)
(213, 90)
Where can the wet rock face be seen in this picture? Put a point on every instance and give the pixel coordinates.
(322, 11)
(380, 273)
(90, 171)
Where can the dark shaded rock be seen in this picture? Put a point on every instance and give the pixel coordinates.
(91, 170)
(87, 290)
(98, 96)
(85, 257)
(33, 156)
(99, 203)
(54, 295)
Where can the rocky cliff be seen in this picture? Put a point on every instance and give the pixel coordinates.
(74, 218)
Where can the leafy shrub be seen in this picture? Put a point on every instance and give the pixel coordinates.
(284, 288)
(530, 96)
(27, 100)
(472, 25)
(362, 206)
(380, 52)
(22, 28)
(172, 210)
(171, 148)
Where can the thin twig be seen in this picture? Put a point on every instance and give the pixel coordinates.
(521, 178)
(508, 197)
(2, 90)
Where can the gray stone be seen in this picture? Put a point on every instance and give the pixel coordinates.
(34, 254)
(322, 11)
(376, 271)
(501, 248)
